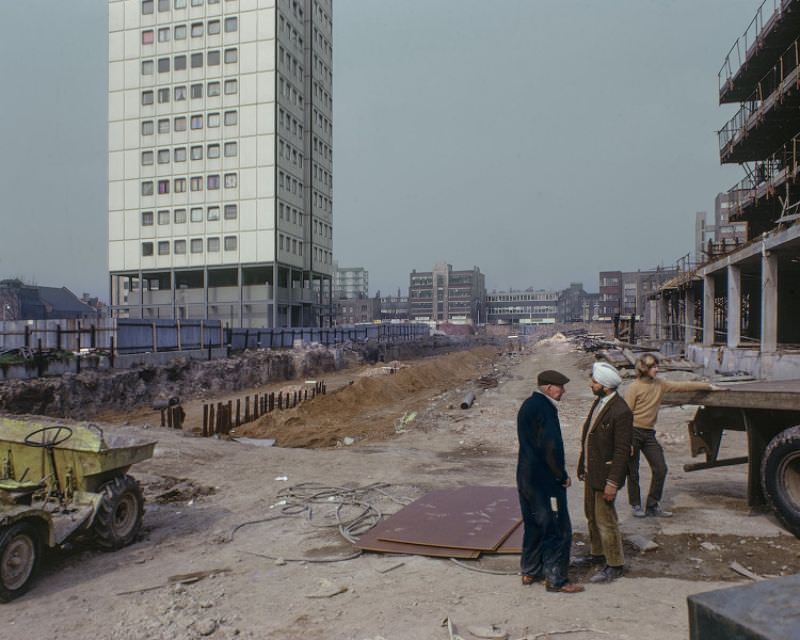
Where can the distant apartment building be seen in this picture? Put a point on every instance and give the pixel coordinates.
(350, 282)
(447, 295)
(220, 160)
(522, 307)
(610, 300)
(703, 234)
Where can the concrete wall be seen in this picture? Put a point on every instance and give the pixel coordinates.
(769, 366)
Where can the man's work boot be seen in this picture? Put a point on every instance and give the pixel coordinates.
(567, 587)
(607, 574)
(586, 561)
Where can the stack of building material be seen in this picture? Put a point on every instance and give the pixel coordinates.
(452, 523)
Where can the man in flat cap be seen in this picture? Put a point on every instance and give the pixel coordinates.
(542, 482)
(606, 444)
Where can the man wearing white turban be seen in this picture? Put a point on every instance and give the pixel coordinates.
(603, 463)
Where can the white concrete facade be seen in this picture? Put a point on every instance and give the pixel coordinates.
(219, 158)
(350, 282)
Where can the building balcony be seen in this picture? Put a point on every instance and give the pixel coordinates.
(769, 116)
(771, 30)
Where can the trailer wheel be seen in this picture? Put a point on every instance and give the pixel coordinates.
(780, 477)
(20, 550)
(119, 515)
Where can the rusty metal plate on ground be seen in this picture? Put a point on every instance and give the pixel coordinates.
(371, 541)
(513, 543)
(477, 518)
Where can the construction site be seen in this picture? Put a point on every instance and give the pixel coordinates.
(204, 465)
(282, 525)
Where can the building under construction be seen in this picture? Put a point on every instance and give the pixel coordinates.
(738, 311)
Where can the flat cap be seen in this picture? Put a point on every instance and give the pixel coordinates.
(551, 377)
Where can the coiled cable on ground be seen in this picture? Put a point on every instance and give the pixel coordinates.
(306, 499)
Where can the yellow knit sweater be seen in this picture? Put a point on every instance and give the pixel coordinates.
(644, 395)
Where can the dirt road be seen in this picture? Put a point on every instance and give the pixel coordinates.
(200, 490)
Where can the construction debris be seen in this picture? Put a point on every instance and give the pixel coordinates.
(490, 632)
(623, 355)
(742, 571)
(642, 543)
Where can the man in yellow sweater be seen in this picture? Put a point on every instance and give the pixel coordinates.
(643, 396)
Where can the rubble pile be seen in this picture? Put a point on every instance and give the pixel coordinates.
(84, 395)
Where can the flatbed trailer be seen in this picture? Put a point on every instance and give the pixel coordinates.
(769, 413)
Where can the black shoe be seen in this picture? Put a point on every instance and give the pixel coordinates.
(587, 561)
(607, 574)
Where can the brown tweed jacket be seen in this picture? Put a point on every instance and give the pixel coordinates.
(606, 447)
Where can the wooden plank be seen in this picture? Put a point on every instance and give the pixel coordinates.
(479, 518)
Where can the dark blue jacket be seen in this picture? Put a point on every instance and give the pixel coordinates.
(540, 466)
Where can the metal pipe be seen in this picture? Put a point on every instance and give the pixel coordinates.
(468, 400)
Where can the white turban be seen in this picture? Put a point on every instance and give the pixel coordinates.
(606, 375)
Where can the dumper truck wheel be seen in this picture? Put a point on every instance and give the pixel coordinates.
(20, 550)
(119, 515)
(780, 477)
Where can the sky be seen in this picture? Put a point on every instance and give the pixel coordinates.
(540, 140)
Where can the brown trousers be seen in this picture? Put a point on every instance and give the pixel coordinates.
(604, 534)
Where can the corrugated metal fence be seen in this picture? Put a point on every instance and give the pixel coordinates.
(128, 335)
(286, 337)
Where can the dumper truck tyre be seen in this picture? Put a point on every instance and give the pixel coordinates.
(119, 515)
(780, 477)
(20, 552)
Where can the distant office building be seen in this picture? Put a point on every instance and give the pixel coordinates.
(355, 310)
(220, 160)
(626, 292)
(394, 308)
(445, 295)
(721, 237)
(350, 282)
(575, 305)
(19, 301)
(522, 307)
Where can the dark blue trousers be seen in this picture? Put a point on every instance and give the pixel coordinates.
(547, 537)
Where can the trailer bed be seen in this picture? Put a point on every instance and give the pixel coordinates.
(777, 394)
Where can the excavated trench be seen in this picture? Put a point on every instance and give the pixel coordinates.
(83, 396)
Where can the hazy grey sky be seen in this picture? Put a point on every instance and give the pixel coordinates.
(542, 140)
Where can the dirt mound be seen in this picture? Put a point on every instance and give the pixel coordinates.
(368, 408)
